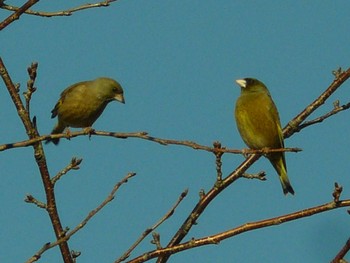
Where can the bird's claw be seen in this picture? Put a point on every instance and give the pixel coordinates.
(245, 152)
(68, 133)
(89, 131)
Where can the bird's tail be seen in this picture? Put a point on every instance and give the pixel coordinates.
(279, 163)
(56, 130)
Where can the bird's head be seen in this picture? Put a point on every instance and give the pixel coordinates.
(251, 85)
(109, 89)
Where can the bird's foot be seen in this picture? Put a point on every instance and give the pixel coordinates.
(265, 151)
(89, 131)
(245, 152)
(68, 133)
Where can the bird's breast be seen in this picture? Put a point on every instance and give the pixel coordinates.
(80, 110)
(256, 122)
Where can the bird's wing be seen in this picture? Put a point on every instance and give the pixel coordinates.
(277, 121)
(63, 95)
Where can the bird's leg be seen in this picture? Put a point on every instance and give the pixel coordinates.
(265, 151)
(68, 132)
(89, 131)
(245, 152)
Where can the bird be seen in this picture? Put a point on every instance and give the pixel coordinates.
(259, 125)
(82, 103)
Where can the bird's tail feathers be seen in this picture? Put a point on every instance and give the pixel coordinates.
(279, 165)
(56, 130)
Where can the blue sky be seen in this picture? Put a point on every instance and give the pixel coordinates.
(177, 62)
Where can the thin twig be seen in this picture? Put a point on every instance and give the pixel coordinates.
(18, 12)
(30, 84)
(341, 254)
(31, 199)
(73, 165)
(293, 125)
(320, 119)
(67, 12)
(218, 161)
(260, 176)
(337, 191)
(152, 228)
(91, 214)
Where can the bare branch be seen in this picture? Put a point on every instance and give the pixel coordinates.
(156, 240)
(320, 119)
(109, 198)
(37, 255)
(293, 125)
(17, 13)
(40, 160)
(337, 191)
(144, 136)
(218, 162)
(217, 238)
(30, 84)
(69, 234)
(74, 165)
(31, 199)
(156, 237)
(67, 12)
(345, 249)
(259, 176)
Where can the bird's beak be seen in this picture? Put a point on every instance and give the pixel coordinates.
(241, 82)
(120, 98)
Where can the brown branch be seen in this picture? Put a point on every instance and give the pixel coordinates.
(320, 119)
(206, 200)
(91, 214)
(31, 199)
(345, 249)
(30, 85)
(260, 176)
(40, 160)
(217, 238)
(143, 136)
(218, 161)
(74, 165)
(152, 228)
(67, 12)
(289, 130)
(17, 13)
(293, 125)
(337, 191)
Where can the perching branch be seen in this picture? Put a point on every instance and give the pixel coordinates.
(143, 136)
